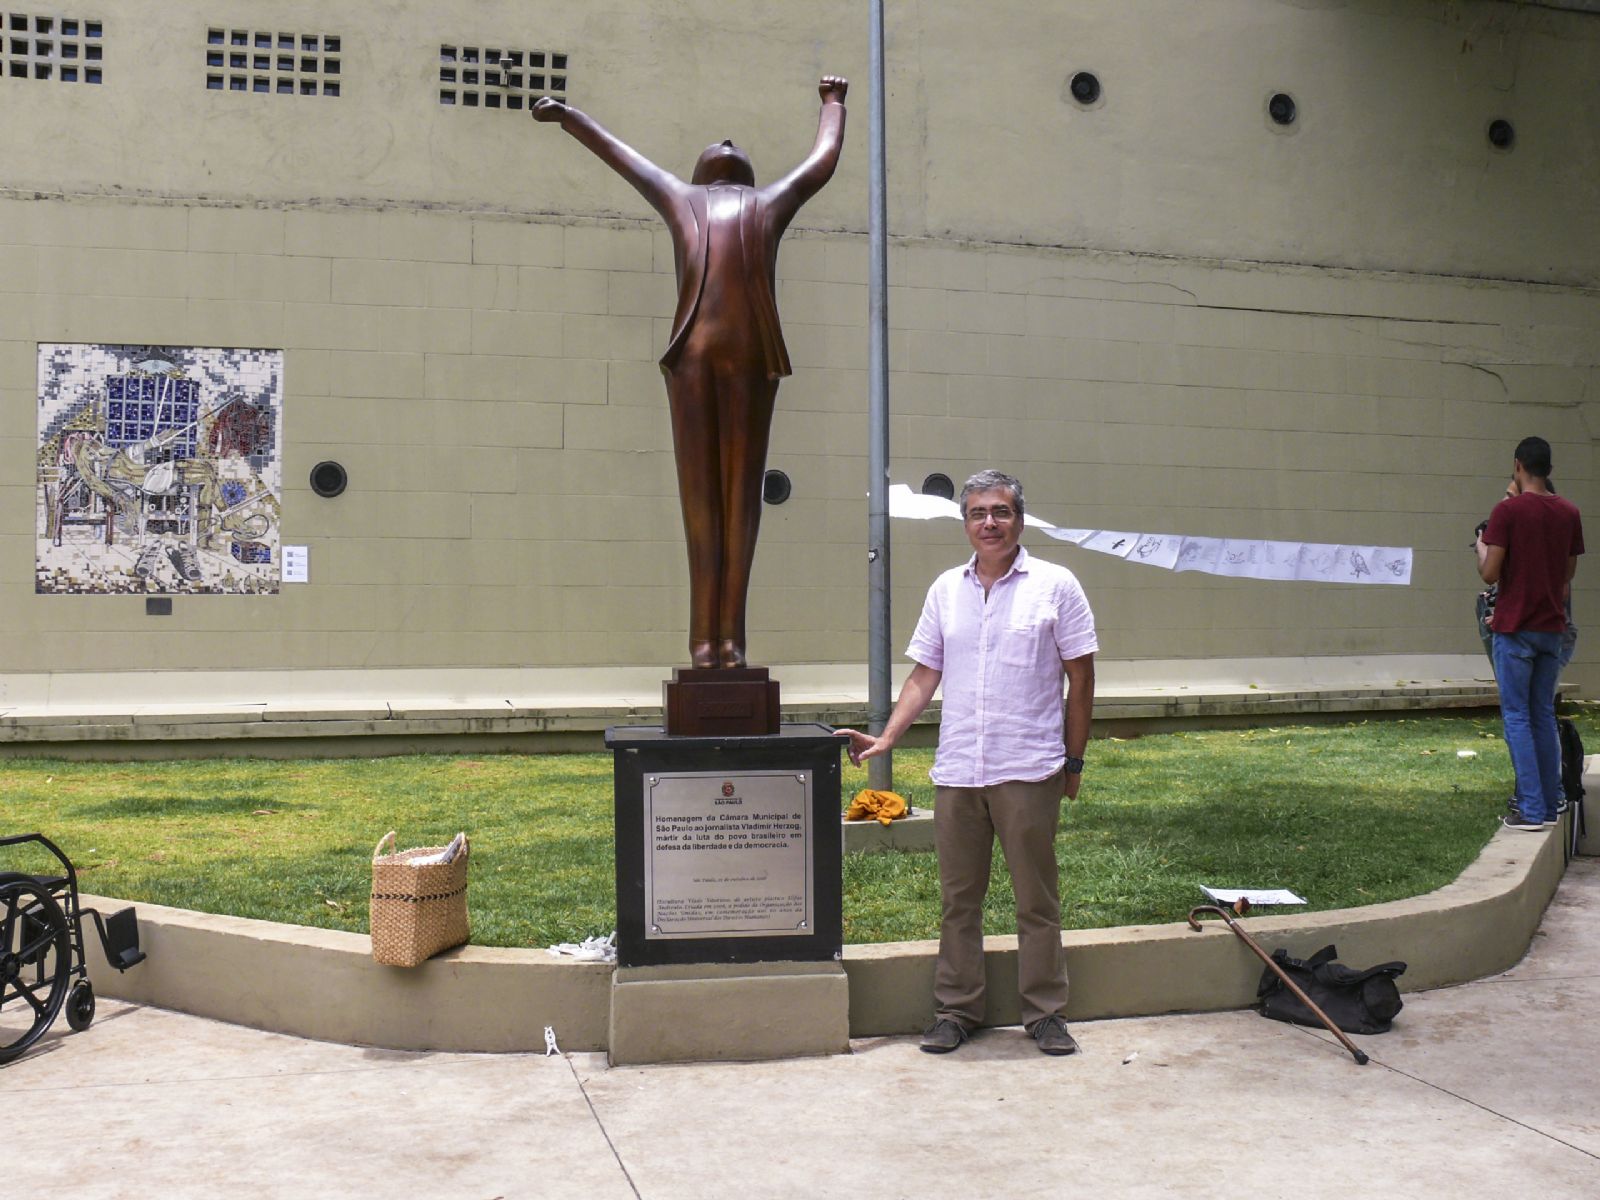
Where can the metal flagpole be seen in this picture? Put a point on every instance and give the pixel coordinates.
(880, 771)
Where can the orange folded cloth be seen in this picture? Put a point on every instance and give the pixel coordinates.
(870, 805)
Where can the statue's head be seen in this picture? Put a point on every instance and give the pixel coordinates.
(724, 163)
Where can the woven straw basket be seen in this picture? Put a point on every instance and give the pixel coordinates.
(417, 910)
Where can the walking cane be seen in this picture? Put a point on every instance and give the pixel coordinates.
(1355, 1051)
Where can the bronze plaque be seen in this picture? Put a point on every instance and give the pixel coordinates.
(728, 854)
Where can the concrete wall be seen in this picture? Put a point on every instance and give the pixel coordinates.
(1162, 311)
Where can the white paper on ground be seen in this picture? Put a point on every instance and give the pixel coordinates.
(1256, 896)
(591, 949)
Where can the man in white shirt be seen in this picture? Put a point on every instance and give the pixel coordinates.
(999, 633)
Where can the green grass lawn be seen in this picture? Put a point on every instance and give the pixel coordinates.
(1343, 814)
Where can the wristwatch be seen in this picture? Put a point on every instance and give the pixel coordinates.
(1074, 766)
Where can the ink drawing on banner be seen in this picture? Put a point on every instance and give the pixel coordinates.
(1109, 541)
(1156, 550)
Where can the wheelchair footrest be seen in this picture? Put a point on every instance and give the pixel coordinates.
(120, 939)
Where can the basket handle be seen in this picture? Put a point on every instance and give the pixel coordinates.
(377, 852)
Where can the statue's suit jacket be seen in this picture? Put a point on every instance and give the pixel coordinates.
(759, 254)
(764, 215)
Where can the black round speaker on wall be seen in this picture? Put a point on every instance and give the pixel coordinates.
(328, 479)
(939, 484)
(1281, 108)
(775, 487)
(1085, 87)
(1502, 136)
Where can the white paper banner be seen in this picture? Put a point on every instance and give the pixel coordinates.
(1240, 558)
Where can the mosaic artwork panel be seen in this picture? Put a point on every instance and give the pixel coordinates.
(159, 470)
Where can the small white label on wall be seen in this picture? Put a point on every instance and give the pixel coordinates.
(296, 564)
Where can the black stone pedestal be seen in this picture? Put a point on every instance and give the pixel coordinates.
(728, 848)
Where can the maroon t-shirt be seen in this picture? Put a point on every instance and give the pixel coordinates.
(1540, 532)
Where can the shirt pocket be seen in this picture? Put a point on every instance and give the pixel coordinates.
(1027, 639)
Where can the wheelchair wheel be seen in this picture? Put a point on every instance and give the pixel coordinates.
(80, 1006)
(35, 962)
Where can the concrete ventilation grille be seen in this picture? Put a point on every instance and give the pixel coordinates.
(489, 77)
(68, 49)
(279, 64)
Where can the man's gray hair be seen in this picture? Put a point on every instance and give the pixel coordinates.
(985, 481)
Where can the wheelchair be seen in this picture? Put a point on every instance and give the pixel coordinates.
(42, 966)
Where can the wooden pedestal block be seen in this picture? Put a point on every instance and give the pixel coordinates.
(720, 702)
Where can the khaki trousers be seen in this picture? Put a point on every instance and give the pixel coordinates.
(1024, 816)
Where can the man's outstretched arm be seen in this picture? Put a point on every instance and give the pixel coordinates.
(659, 187)
(915, 694)
(785, 196)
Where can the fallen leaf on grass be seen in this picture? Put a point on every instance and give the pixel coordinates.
(333, 904)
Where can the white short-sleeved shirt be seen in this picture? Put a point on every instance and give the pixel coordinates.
(1001, 663)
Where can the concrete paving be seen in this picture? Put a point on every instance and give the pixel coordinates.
(1480, 1089)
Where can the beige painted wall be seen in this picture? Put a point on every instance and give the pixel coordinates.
(1160, 312)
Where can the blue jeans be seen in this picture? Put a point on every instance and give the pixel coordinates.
(1526, 667)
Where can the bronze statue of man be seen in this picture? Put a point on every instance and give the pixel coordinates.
(725, 354)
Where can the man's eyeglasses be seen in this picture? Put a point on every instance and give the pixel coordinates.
(1001, 514)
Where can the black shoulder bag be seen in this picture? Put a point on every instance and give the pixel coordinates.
(1355, 1001)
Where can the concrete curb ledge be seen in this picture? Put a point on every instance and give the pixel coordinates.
(323, 984)
(400, 728)
(276, 713)
(1478, 925)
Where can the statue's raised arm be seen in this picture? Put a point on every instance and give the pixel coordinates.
(783, 197)
(663, 190)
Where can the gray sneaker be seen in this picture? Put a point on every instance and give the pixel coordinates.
(943, 1036)
(1053, 1038)
(185, 562)
(148, 558)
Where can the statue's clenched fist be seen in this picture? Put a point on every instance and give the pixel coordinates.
(547, 109)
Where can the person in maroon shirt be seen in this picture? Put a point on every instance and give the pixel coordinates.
(1530, 548)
